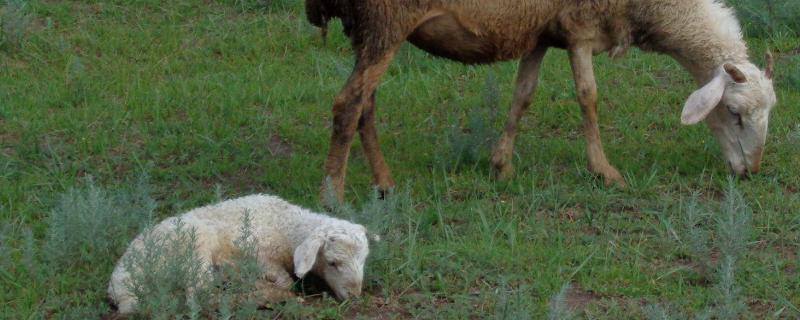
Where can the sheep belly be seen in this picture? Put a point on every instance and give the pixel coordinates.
(445, 36)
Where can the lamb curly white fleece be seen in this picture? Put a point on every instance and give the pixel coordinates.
(290, 239)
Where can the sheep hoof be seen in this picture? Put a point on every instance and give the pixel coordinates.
(613, 178)
(502, 172)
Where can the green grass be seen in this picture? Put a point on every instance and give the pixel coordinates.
(218, 99)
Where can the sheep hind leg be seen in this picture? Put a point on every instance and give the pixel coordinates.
(527, 80)
(347, 110)
(382, 177)
(581, 60)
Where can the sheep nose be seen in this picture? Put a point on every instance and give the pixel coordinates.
(355, 291)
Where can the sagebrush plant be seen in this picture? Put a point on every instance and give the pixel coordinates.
(731, 233)
(470, 143)
(164, 270)
(697, 237)
(91, 224)
(511, 303)
(76, 81)
(381, 215)
(15, 22)
(169, 281)
(235, 281)
(558, 309)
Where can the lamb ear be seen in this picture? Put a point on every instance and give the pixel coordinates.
(306, 254)
(770, 69)
(702, 101)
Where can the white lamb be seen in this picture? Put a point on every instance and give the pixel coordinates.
(290, 240)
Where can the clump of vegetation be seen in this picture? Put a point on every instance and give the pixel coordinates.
(15, 21)
(93, 225)
(470, 143)
(381, 214)
(558, 308)
(163, 270)
(77, 81)
(170, 281)
(763, 18)
(730, 238)
(697, 237)
(255, 5)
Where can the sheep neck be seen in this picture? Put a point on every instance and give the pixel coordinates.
(700, 35)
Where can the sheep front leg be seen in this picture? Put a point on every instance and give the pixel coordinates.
(381, 176)
(581, 59)
(347, 110)
(527, 80)
(276, 274)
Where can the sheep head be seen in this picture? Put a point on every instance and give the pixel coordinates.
(317, 13)
(320, 12)
(736, 104)
(337, 254)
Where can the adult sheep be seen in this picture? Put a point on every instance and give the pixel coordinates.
(703, 35)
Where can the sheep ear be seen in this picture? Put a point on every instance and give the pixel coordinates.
(770, 69)
(702, 101)
(306, 254)
(736, 74)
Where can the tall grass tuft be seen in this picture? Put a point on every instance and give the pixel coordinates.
(15, 21)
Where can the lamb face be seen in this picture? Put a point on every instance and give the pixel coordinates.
(338, 255)
(736, 105)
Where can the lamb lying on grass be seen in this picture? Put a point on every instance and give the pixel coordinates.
(288, 239)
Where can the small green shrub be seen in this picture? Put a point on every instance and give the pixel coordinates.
(730, 237)
(470, 143)
(381, 216)
(170, 281)
(163, 270)
(90, 225)
(15, 21)
(558, 308)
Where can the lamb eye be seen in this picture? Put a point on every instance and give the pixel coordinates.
(332, 264)
(733, 112)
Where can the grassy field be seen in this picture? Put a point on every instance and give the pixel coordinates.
(115, 113)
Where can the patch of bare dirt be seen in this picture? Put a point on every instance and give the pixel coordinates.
(577, 298)
(278, 147)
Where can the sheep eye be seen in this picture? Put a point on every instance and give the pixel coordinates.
(737, 115)
(332, 264)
